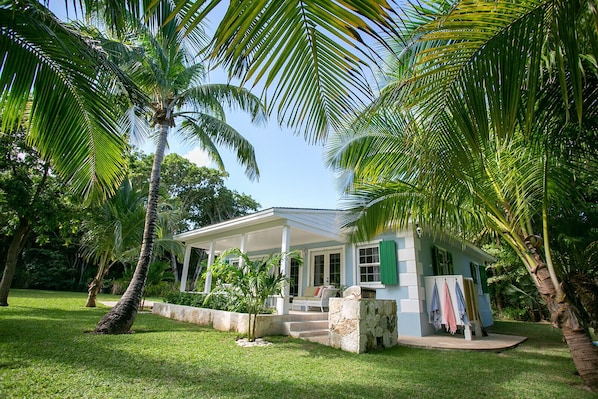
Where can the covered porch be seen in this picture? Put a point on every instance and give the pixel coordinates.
(265, 232)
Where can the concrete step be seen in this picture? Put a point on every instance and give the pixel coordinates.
(320, 339)
(305, 326)
(307, 316)
(311, 326)
(312, 333)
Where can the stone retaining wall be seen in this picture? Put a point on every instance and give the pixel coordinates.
(219, 319)
(359, 325)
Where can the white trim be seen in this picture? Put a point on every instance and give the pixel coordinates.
(185, 272)
(211, 257)
(367, 284)
(325, 250)
(282, 302)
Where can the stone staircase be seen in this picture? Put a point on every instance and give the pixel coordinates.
(311, 326)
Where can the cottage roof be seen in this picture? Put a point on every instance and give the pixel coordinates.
(263, 229)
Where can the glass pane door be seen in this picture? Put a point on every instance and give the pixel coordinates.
(318, 270)
(327, 268)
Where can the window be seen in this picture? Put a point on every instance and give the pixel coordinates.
(334, 260)
(318, 270)
(443, 261)
(369, 264)
(294, 277)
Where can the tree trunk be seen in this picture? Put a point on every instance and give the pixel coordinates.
(12, 256)
(96, 284)
(583, 353)
(122, 316)
(175, 269)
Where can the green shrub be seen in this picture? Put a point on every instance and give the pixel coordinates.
(216, 301)
(160, 289)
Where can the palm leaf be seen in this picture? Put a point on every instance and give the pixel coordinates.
(52, 78)
(211, 132)
(312, 53)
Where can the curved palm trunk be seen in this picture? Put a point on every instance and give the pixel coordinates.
(562, 312)
(16, 244)
(96, 284)
(121, 317)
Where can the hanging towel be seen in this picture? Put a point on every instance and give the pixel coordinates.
(449, 311)
(461, 304)
(435, 308)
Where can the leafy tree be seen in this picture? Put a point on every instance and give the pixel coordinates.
(199, 192)
(34, 204)
(48, 269)
(475, 130)
(511, 288)
(167, 73)
(250, 282)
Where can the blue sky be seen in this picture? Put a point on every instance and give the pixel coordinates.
(292, 172)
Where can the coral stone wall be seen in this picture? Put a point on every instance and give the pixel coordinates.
(359, 325)
(219, 319)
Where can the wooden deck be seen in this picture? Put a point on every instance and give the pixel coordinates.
(492, 342)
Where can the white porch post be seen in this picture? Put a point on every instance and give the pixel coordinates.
(242, 248)
(282, 303)
(208, 284)
(185, 268)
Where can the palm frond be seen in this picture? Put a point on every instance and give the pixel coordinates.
(211, 132)
(312, 52)
(51, 77)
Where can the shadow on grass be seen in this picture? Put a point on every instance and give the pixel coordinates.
(173, 359)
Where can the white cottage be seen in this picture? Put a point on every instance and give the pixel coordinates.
(401, 266)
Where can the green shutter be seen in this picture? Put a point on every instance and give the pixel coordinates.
(474, 271)
(483, 278)
(388, 262)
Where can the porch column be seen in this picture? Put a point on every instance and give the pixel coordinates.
(208, 284)
(242, 248)
(282, 303)
(185, 268)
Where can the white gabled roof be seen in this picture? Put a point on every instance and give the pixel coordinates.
(263, 229)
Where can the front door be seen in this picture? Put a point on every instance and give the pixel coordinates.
(327, 267)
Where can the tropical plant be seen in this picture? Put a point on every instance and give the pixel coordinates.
(166, 71)
(511, 288)
(311, 57)
(249, 283)
(114, 228)
(60, 84)
(474, 131)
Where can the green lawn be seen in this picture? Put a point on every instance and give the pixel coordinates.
(45, 353)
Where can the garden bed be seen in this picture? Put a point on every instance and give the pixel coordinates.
(267, 324)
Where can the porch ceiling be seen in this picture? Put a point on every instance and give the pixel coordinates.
(263, 230)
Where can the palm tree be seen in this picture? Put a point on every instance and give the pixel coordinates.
(311, 57)
(474, 131)
(114, 228)
(170, 77)
(60, 84)
(251, 281)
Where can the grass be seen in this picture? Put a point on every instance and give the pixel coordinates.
(45, 353)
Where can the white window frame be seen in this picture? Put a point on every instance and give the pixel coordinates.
(368, 284)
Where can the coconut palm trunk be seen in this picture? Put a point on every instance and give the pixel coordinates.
(121, 317)
(563, 316)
